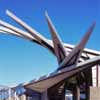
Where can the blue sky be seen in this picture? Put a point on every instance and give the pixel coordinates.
(21, 60)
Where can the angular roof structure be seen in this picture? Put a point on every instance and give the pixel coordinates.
(72, 60)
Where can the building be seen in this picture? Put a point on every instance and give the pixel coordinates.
(78, 67)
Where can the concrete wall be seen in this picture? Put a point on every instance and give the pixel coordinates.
(94, 93)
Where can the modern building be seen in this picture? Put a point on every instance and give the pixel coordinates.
(76, 78)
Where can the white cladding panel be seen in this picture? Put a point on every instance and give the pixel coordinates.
(95, 77)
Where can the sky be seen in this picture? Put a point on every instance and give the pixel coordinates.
(21, 60)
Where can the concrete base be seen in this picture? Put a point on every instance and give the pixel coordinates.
(94, 93)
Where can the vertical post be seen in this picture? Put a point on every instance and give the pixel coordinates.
(88, 82)
(14, 95)
(9, 94)
(87, 89)
(63, 92)
(97, 75)
(76, 93)
(44, 95)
